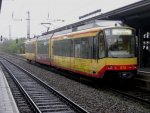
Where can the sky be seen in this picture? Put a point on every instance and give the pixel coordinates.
(48, 11)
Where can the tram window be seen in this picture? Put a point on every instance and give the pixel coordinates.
(77, 47)
(56, 48)
(101, 46)
(63, 48)
(90, 47)
(29, 48)
(71, 48)
(95, 40)
(42, 47)
(85, 48)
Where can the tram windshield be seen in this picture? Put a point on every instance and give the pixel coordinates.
(121, 42)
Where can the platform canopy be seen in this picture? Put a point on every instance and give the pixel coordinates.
(136, 15)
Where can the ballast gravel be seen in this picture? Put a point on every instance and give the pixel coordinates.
(95, 100)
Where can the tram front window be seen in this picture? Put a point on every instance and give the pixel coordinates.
(121, 42)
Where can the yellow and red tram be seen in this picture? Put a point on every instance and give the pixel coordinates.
(94, 51)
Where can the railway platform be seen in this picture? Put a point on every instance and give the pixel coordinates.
(7, 102)
(143, 78)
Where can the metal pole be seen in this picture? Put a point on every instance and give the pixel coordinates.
(28, 25)
(9, 32)
(140, 47)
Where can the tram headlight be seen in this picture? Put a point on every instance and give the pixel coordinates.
(132, 67)
(110, 67)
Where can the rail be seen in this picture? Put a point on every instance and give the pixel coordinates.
(11, 70)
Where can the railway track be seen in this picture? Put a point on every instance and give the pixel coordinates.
(21, 102)
(42, 98)
(134, 93)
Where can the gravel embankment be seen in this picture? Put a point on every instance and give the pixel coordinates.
(94, 100)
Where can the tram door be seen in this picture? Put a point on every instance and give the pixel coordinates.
(83, 55)
(99, 52)
(94, 59)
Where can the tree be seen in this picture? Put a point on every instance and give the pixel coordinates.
(13, 46)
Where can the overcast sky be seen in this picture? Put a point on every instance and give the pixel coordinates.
(68, 10)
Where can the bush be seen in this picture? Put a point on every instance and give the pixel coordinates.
(13, 46)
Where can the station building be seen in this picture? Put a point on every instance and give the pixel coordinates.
(136, 15)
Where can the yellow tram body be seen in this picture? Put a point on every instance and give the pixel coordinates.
(91, 67)
(104, 58)
(30, 50)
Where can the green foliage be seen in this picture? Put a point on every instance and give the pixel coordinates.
(13, 46)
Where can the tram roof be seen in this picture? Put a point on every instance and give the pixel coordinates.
(130, 14)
